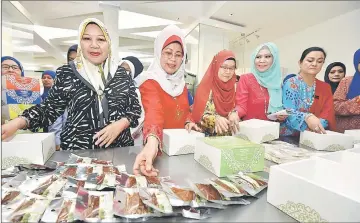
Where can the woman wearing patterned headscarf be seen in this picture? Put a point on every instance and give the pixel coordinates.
(10, 65)
(347, 99)
(99, 96)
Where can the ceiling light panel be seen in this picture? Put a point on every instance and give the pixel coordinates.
(130, 20)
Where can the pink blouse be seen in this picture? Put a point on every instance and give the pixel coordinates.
(347, 111)
(252, 100)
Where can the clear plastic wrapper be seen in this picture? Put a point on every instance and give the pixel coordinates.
(196, 214)
(156, 199)
(130, 181)
(75, 159)
(228, 188)
(10, 200)
(43, 187)
(155, 182)
(94, 206)
(96, 181)
(210, 193)
(60, 210)
(71, 188)
(250, 182)
(15, 182)
(178, 196)
(128, 204)
(200, 202)
(78, 171)
(29, 210)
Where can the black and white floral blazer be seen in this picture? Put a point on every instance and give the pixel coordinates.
(73, 92)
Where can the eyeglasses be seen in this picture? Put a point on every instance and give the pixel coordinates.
(231, 69)
(169, 55)
(7, 67)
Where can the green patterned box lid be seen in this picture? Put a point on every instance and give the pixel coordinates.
(230, 142)
(237, 154)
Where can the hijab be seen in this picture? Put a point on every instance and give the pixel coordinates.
(173, 84)
(73, 48)
(90, 72)
(223, 93)
(333, 85)
(271, 78)
(135, 65)
(16, 61)
(288, 77)
(354, 88)
(52, 74)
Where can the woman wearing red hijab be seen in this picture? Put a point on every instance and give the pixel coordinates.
(214, 103)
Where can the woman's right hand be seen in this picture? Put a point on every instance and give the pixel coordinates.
(10, 128)
(221, 124)
(144, 160)
(315, 125)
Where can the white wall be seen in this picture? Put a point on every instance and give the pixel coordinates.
(339, 36)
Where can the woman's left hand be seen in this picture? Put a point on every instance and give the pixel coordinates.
(281, 118)
(108, 134)
(191, 125)
(234, 122)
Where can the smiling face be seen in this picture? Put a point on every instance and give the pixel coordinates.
(9, 67)
(263, 60)
(336, 74)
(171, 58)
(227, 70)
(94, 46)
(312, 63)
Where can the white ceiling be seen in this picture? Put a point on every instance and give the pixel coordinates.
(45, 44)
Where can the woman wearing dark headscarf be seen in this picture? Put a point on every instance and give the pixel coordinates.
(10, 65)
(347, 99)
(334, 73)
(72, 52)
(47, 78)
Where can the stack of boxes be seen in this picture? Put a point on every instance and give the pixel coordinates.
(18, 94)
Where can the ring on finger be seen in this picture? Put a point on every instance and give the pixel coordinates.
(317, 128)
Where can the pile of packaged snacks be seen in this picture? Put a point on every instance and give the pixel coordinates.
(75, 190)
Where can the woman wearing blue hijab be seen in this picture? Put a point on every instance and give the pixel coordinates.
(259, 93)
(47, 78)
(10, 65)
(347, 99)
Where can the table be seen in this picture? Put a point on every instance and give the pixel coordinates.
(180, 168)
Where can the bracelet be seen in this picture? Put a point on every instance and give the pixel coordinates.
(231, 112)
(27, 122)
(308, 116)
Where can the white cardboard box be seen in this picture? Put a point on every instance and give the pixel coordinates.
(345, 158)
(259, 131)
(354, 150)
(34, 148)
(315, 190)
(355, 133)
(332, 141)
(180, 141)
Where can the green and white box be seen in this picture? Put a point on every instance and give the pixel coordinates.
(180, 141)
(35, 148)
(355, 133)
(259, 131)
(226, 155)
(315, 190)
(331, 141)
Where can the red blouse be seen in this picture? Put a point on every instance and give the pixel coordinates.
(252, 100)
(162, 111)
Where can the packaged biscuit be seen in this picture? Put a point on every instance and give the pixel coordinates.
(43, 187)
(250, 182)
(227, 188)
(156, 199)
(178, 196)
(29, 210)
(128, 204)
(60, 210)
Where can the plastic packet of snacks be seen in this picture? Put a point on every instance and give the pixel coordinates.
(10, 199)
(60, 210)
(128, 204)
(130, 181)
(178, 196)
(16, 181)
(29, 209)
(200, 202)
(228, 188)
(71, 188)
(75, 159)
(250, 182)
(78, 171)
(196, 214)
(94, 206)
(97, 181)
(156, 199)
(210, 193)
(155, 182)
(43, 187)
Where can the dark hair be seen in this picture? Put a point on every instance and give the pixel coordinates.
(231, 58)
(311, 49)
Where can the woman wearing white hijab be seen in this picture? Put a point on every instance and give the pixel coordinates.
(164, 96)
(99, 96)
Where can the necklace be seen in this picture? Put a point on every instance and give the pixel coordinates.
(178, 111)
(304, 89)
(263, 94)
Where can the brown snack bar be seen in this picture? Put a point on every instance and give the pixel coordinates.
(11, 195)
(185, 195)
(69, 172)
(92, 209)
(65, 210)
(209, 191)
(134, 205)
